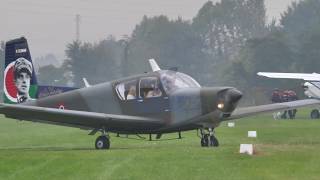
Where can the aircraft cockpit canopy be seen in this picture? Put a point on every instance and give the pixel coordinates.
(150, 87)
(127, 90)
(172, 80)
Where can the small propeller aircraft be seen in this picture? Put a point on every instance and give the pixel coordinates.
(311, 86)
(157, 102)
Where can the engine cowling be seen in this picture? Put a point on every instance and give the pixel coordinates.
(222, 99)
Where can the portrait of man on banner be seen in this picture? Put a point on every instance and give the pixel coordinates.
(22, 71)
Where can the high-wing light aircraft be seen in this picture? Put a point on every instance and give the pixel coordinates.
(311, 86)
(157, 102)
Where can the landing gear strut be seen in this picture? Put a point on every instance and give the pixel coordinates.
(208, 139)
(103, 141)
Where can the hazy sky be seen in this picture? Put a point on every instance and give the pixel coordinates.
(50, 24)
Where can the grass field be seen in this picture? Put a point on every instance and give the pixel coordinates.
(286, 149)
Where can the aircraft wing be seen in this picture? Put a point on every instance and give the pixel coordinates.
(72, 118)
(249, 111)
(303, 76)
(253, 110)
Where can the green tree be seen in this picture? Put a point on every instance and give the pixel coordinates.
(301, 24)
(173, 43)
(98, 62)
(224, 27)
(299, 20)
(309, 54)
(270, 53)
(51, 75)
(291, 47)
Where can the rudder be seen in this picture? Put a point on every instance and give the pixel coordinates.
(20, 83)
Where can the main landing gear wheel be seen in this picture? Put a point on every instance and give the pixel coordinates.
(208, 139)
(102, 142)
(213, 141)
(315, 114)
(204, 141)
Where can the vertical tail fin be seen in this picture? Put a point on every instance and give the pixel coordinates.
(20, 83)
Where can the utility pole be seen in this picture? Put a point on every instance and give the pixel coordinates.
(78, 27)
(126, 42)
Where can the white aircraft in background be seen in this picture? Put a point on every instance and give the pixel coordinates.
(311, 86)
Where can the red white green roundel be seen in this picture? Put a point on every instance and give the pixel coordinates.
(10, 89)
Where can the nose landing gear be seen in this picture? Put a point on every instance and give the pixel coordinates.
(208, 139)
(103, 141)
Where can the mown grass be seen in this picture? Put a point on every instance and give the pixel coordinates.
(285, 149)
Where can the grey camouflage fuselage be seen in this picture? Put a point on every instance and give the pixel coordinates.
(176, 109)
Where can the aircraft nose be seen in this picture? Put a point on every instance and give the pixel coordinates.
(230, 100)
(225, 99)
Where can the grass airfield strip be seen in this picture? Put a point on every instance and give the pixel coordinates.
(286, 149)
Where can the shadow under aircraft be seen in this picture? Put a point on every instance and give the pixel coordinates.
(157, 102)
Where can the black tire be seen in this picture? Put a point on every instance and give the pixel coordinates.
(205, 141)
(290, 113)
(102, 142)
(214, 141)
(315, 114)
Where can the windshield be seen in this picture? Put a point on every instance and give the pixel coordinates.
(176, 80)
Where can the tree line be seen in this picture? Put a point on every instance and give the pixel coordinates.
(199, 47)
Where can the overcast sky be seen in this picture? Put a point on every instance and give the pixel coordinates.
(50, 24)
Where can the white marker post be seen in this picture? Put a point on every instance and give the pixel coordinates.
(231, 124)
(246, 149)
(252, 134)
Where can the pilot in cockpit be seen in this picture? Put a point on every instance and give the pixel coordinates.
(149, 87)
(154, 92)
(131, 93)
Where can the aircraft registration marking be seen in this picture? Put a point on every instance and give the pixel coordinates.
(18, 51)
